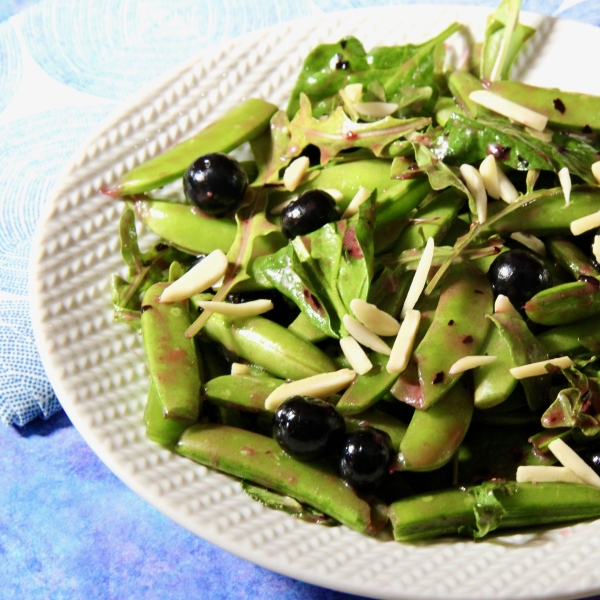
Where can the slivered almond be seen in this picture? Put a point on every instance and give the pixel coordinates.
(489, 173)
(278, 209)
(198, 279)
(532, 242)
(579, 226)
(377, 110)
(512, 110)
(541, 474)
(243, 309)
(508, 192)
(354, 91)
(239, 369)
(539, 368)
(317, 386)
(335, 194)
(570, 459)
(376, 320)
(359, 198)
(505, 306)
(596, 248)
(476, 186)
(470, 362)
(596, 171)
(565, 181)
(355, 355)
(292, 176)
(365, 336)
(420, 279)
(531, 179)
(405, 340)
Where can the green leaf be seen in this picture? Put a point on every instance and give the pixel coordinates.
(466, 140)
(504, 37)
(488, 508)
(338, 132)
(252, 223)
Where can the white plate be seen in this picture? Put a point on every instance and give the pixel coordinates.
(97, 370)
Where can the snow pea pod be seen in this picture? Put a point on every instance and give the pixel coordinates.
(574, 338)
(268, 345)
(546, 212)
(261, 460)
(303, 328)
(565, 303)
(194, 232)
(172, 361)
(478, 510)
(570, 257)
(569, 110)
(459, 329)
(434, 435)
(240, 124)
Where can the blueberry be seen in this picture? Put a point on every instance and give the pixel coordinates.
(308, 428)
(520, 275)
(365, 458)
(215, 183)
(592, 458)
(309, 212)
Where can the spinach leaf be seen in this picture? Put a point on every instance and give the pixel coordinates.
(465, 140)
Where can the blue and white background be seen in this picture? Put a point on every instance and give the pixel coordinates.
(68, 527)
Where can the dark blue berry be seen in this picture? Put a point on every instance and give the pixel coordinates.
(309, 212)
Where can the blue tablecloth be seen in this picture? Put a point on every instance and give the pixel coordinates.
(68, 527)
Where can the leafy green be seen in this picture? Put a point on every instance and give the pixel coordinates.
(337, 132)
(465, 140)
(251, 224)
(577, 405)
(488, 508)
(331, 67)
(325, 270)
(287, 504)
(504, 37)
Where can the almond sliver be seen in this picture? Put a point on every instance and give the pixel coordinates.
(376, 320)
(470, 362)
(365, 336)
(355, 355)
(292, 176)
(243, 309)
(420, 279)
(539, 368)
(543, 474)
(405, 340)
(570, 459)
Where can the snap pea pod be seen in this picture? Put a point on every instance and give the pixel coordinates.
(461, 84)
(172, 361)
(237, 126)
(242, 392)
(570, 257)
(564, 304)
(395, 428)
(389, 290)
(546, 212)
(194, 232)
(459, 329)
(572, 339)
(574, 111)
(434, 435)
(432, 220)
(303, 328)
(261, 460)
(477, 510)
(165, 432)
(269, 345)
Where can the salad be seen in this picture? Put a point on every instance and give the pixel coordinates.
(390, 314)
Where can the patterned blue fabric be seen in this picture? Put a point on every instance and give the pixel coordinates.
(103, 50)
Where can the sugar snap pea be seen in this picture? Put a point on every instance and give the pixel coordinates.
(165, 432)
(260, 459)
(172, 360)
(434, 435)
(239, 125)
(572, 339)
(570, 257)
(458, 329)
(566, 303)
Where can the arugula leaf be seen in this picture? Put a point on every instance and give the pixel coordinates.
(251, 224)
(325, 270)
(338, 132)
(331, 67)
(504, 37)
(488, 508)
(576, 406)
(466, 140)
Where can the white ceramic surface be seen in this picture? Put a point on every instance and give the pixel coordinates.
(97, 368)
